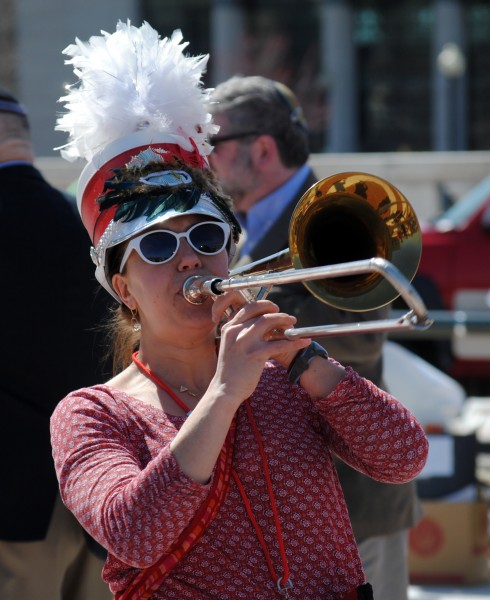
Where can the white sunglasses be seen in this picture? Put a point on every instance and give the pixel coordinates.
(161, 245)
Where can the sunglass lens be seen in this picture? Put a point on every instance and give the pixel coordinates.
(158, 247)
(208, 238)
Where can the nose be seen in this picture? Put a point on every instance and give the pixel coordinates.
(187, 258)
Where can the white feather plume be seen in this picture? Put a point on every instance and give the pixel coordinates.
(132, 81)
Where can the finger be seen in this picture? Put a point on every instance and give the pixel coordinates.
(245, 311)
(278, 331)
(264, 325)
(284, 346)
(227, 305)
(284, 351)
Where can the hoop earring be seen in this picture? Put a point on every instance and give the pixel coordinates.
(135, 324)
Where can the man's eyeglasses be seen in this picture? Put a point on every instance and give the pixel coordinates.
(160, 245)
(217, 139)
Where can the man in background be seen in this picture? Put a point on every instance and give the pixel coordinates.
(49, 319)
(260, 156)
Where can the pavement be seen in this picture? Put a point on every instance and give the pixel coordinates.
(427, 592)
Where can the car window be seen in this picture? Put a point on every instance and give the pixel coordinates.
(462, 210)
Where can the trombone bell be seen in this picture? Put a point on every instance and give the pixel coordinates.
(350, 217)
(354, 242)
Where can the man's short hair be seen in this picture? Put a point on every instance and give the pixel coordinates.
(266, 106)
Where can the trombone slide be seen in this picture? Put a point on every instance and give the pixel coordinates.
(197, 288)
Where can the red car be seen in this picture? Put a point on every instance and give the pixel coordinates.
(454, 275)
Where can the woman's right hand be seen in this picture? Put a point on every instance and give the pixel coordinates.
(246, 344)
(248, 341)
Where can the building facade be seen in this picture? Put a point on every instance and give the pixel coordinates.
(372, 75)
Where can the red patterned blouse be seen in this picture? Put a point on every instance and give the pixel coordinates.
(121, 481)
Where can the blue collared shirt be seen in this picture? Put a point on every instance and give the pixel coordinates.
(264, 213)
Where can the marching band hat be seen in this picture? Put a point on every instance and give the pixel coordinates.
(139, 117)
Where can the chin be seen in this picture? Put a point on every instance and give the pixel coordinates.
(197, 312)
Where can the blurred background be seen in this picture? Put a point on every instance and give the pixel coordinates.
(398, 88)
(372, 75)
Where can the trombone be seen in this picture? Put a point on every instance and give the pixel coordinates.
(354, 242)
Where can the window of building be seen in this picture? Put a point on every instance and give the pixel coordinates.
(478, 74)
(393, 42)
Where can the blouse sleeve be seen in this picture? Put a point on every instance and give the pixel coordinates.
(372, 431)
(132, 501)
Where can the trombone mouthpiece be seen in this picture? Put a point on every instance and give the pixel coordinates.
(197, 288)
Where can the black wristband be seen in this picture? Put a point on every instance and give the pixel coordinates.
(301, 361)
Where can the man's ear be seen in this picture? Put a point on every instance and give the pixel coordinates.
(264, 151)
(120, 285)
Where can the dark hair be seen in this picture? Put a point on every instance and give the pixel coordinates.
(260, 104)
(119, 327)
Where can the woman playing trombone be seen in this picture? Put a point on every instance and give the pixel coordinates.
(205, 465)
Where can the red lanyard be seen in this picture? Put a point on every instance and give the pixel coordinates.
(284, 583)
(159, 382)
